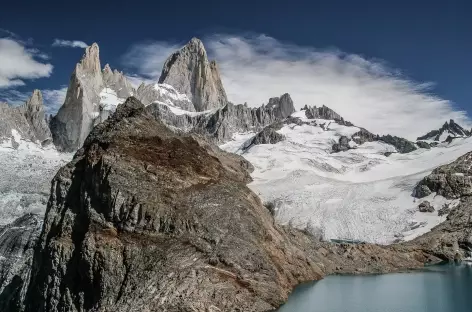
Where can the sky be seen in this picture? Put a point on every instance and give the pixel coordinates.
(399, 67)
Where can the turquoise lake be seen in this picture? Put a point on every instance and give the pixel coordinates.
(446, 288)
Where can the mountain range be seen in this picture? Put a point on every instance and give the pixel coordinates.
(168, 188)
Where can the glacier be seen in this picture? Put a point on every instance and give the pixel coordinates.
(359, 194)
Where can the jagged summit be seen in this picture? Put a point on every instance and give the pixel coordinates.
(36, 99)
(92, 94)
(450, 130)
(282, 106)
(25, 122)
(190, 72)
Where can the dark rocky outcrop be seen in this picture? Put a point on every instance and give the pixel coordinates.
(446, 209)
(268, 135)
(325, 112)
(425, 206)
(422, 144)
(17, 240)
(342, 145)
(451, 181)
(144, 219)
(402, 145)
(189, 72)
(363, 136)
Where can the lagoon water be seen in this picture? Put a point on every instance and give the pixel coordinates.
(446, 288)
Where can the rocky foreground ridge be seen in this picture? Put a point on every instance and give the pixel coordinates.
(146, 219)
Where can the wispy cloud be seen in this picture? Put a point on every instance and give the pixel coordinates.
(365, 91)
(54, 98)
(14, 97)
(21, 64)
(69, 43)
(147, 59)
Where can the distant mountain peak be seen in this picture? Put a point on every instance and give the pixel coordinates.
(90, 61)
(190, 72)
(447, 132)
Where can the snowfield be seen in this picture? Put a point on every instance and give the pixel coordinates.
(357, 194)
(26, 177)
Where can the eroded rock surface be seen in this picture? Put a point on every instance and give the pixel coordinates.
(452, 181)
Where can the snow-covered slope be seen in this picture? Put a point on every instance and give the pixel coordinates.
(25, 177)
(356, 194)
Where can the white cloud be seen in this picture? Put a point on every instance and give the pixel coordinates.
(69, 43)
(53, 99)
(147, 59)
(18, 64)
(364, 91)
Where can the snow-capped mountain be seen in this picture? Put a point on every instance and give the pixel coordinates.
(312, 168)
(448, 132)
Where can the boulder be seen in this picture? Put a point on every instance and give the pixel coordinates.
(425, 207)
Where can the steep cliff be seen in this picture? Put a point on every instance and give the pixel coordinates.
(91, 97)
(191, 73)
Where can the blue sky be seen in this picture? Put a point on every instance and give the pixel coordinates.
(425, 43)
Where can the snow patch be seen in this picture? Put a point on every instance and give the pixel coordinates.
(109, 99)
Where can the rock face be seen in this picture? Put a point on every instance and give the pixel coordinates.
(27, 120)
(452, 239)
(165, 94)
(425, 207)
(83, 107)
(16, 255)
(268, 135)
(221, 124)
(402, 145)
(451, 181)
(342, 145)
(363, 136)
(144, 219)
(450, 129)
(422, 144)
(116, 80)
(281, 106)
(189, 71)
(322, 112)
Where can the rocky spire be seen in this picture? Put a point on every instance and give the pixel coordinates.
(34, 114)
(282, 106)
(75, 118)
(83, 106)
(90, 62)
(189, 71)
